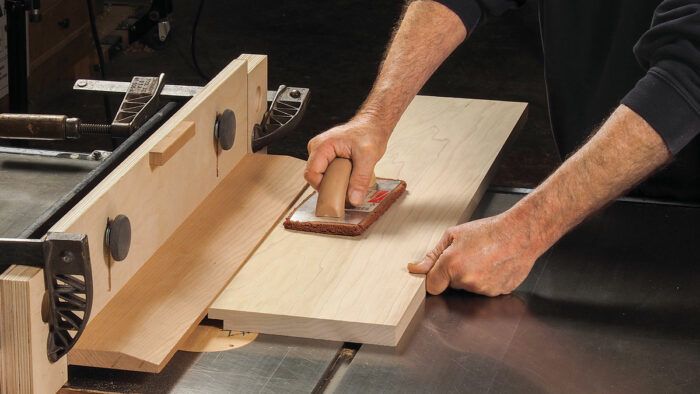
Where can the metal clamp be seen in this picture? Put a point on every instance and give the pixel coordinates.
(287, 106)
(65, 259)
(139, 104)
(285, 113)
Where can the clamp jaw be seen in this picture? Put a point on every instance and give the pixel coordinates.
(65, 259)
(286, 106)
(286, 110)
(140, 102)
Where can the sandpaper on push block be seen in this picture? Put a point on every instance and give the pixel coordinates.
(356, 219)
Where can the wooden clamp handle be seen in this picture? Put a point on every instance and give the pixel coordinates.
(166, 148)
(333, 188)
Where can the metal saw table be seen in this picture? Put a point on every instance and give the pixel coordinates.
(613, 307)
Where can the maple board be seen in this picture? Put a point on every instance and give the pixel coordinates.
(358, 289)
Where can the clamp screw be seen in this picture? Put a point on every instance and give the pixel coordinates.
(67, 257)
(82, 83)
(118, 237)
(294, 93)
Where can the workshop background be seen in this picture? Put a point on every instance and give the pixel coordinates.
(334, 48)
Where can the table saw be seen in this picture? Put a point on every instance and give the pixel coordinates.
(611, 308)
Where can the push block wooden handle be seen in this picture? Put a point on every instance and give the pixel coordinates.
(166, 148)
(334, 187)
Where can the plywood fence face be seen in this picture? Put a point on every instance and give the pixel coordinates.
(140, 329)
(156, 197)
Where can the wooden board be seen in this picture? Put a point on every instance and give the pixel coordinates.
(256, 81)
(140, 329)
(257, 90)
(24, 366)
(359, 290)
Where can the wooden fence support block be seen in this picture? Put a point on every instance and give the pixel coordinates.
(24, 365)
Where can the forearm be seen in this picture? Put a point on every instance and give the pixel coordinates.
(621, 154)
(428, 33)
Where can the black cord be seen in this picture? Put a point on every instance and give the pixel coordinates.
(100, 56)
(193, 45)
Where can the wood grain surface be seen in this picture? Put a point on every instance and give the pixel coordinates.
(358, 289)
(24, 366)
(140, 329)
(168, 146)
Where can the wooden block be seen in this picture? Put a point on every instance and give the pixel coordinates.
(256, 80)
(173, 142)
(359, 290)
(24, 366)
(257, 89)
(140, 329)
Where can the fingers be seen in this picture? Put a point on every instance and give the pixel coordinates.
(438, 278)
(360, 178)
(316, 165)
(435, 265)
(431, 257)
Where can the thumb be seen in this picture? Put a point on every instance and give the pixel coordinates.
(435, 266)
(438, 279)
(424, 266)
(360, 178)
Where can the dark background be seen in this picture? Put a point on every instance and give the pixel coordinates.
(335, 48)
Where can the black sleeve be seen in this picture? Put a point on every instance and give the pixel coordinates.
(668, 96)
(471, 11)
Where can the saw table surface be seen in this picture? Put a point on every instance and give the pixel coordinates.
(613, 307)
(30, 185)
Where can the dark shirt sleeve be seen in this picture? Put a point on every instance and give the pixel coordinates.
(668, 96)
(471, 12)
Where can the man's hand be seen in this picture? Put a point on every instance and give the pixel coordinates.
(493, 256)
(361, 140)
(490, 256)
(428, 33)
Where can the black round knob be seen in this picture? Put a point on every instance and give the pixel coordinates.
(225, 129)
(118, 237)
(294, 93)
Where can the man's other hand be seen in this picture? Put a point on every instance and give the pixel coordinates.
(361, 140)
(490, 256)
